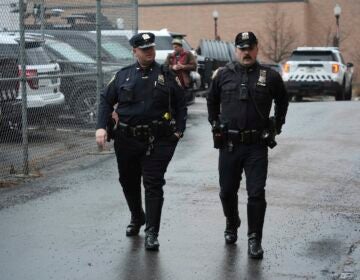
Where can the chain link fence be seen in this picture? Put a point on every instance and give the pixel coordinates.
(51, 75)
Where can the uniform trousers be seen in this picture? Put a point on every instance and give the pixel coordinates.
(253, 159)
(134, 165)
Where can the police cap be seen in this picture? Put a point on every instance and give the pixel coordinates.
(142, 40)
(245, 40)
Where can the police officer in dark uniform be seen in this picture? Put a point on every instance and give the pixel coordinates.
(150, 118)
(239, 103)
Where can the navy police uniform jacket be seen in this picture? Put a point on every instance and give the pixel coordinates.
(142, 96)
(264, 85)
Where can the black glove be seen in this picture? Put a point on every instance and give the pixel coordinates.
(173, 138)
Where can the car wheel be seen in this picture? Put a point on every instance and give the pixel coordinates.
(340, 95)
(348, 94)
(85, 107)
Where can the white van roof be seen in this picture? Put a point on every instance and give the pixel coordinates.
(130, 33)
(14, 38)
(317, 49)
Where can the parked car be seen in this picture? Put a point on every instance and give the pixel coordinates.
(113, 50)
(44, 98)
(79, 90)
(10, 107)
(318, 71)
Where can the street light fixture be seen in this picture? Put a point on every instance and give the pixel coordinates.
(215, 15)
(337, 12)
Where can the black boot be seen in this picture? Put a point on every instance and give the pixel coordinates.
(135, 224)
(153, 215)
(231, 212)
(256, 214)
(151, 241)
(255, 250)
(137, 213)
(232, 225)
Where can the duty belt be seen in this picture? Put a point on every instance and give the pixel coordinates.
(143, 132)
(235, 137)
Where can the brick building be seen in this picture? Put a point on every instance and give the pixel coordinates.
(306, 22)
(311, 22)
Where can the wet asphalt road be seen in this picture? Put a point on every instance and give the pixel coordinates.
(70, 224)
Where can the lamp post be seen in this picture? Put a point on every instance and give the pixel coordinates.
(337, 12)
(215, 15)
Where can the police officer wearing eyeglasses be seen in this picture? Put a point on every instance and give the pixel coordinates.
(150, 118)
(239, 103)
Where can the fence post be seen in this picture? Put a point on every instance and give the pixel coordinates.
(99, 81)
(42, 19)
(25, 142)
(136, 16)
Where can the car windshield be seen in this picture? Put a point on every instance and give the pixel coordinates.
(312, 56)
(69, 52)
(118, 51)
(36, 56)
(9, 50)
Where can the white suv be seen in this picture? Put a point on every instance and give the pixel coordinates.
(43, 95)
(314, 71)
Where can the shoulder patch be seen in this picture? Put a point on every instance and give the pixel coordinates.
(112, 79)
(215, 73)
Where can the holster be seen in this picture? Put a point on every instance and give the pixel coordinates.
(110, 128)
(219, 135)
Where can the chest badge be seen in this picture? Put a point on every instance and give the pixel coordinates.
(128, 78)
(262, 78)
(161, 79)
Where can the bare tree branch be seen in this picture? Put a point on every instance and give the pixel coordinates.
(280, 36)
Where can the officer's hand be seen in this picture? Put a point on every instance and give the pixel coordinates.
(101, 136)
(115, 117)
(174, 138)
